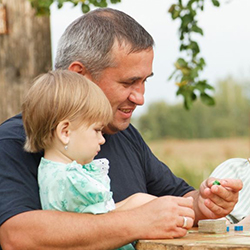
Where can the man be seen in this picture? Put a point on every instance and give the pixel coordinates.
(116, 53)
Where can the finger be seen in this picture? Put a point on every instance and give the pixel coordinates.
(209, 182)
(217, 195)
(222, 203)
(220, 195)
(233, 184)
(185, 201)
(216, 211)
(185, 222)
(175, 233)
(186, 211)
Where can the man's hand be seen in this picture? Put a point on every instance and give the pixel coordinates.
(164, 217)
(216, 201)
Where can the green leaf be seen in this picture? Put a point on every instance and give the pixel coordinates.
(175, 14)
(201, 62)
(186, 72)
(59, 5)
(189, 99)
(172, 8)
(194, 47)
(189, 5)
(194, 73)
(85, 8)
(186, 20)
(216, 3)
(173, 73)
(187, 92)
(197, 29)
(183, 47)
(206, 99)
(103, 4)
(202, 86)
(181, 63)
(181, 91)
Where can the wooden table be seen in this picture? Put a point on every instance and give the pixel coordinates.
(194, 240)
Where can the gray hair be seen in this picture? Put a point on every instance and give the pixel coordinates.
(90, 39)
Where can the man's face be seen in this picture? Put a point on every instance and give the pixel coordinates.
(124, 85)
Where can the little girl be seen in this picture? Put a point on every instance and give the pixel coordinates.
(63, 115)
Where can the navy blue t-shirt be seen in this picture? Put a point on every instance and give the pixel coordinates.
(133, 168)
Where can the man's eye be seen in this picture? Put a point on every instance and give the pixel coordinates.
(130, 82)
(127, 83)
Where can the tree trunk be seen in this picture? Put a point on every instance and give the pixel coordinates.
(25, 52)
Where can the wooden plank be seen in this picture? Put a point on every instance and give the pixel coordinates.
(201, 241)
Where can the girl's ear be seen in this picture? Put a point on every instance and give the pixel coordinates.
(63, 131)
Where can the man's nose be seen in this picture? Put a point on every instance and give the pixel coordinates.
(137, 94)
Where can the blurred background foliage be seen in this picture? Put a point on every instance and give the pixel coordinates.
(194, 160)
(228, 118)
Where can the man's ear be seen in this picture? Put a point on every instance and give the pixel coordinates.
(80, 68)
(63, 131)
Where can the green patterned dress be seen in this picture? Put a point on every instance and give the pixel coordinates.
(76, 188)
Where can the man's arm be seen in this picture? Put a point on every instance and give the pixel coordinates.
(43, 229)
(215, 201)
(62, 230)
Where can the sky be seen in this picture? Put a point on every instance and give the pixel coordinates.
(224, 45)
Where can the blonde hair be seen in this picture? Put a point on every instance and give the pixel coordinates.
(59, 95)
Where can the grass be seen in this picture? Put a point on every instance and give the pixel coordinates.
(194, 160)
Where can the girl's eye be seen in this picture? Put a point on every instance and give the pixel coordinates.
(98, 130)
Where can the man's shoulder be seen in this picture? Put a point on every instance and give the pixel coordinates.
(12, 128)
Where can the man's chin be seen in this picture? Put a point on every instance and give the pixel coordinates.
(114, 128)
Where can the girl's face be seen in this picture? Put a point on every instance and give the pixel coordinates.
(85, 142)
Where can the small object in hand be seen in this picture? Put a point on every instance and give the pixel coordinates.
(216, 182)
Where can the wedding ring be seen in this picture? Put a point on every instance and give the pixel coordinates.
(184, 221)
